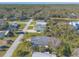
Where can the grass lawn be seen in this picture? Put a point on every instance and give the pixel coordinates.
(29, 35)
(2, 53)
(19, 20)
(22, 26)
(73, 19)
(33, 23)
(30, 27)
(24, 20)
(68, 19)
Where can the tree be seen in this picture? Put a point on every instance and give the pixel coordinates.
(67, 50)
(22, 53)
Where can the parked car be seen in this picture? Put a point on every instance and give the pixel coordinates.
(3, 47)
(20, 32)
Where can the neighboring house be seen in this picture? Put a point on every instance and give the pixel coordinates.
(40, 41)
(2, 34)
(14, 26)
(12, 17)
(44, 54)
(72, 15)
(2, 23)
(75, 25)
(40, 26)
(22, 17)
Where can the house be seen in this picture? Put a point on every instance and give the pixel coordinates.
(2, 21)
(12, 17)
(2, 34)
(75, 24)
(22, 17)
(45, 41)
(3, 24)
(72, 15)
(44, 54)
(40, 41)
(14, 26)
(40, 26)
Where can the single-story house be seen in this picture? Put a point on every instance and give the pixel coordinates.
(40, 41)
(2, 34)
(75, 24)
(12, 17)
(44, 54)
(72, 15)
(2, 21)
(14, 26)
(22, 17)
(3, 24)
(40, 26)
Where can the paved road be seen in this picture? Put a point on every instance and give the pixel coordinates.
(17, 41)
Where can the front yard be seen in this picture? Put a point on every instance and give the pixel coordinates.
(32, 25)
(29, 35)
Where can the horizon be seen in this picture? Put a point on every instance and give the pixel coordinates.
(39, 2)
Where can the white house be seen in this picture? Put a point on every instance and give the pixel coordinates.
(75, 24)
(40, 26)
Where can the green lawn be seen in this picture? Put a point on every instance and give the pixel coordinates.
(33, 23)
(30, 27)
(19, 20)
(68, 19)
(29, 35)
(2, 53)
(22, 26)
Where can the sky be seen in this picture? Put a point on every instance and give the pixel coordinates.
(39, 2)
